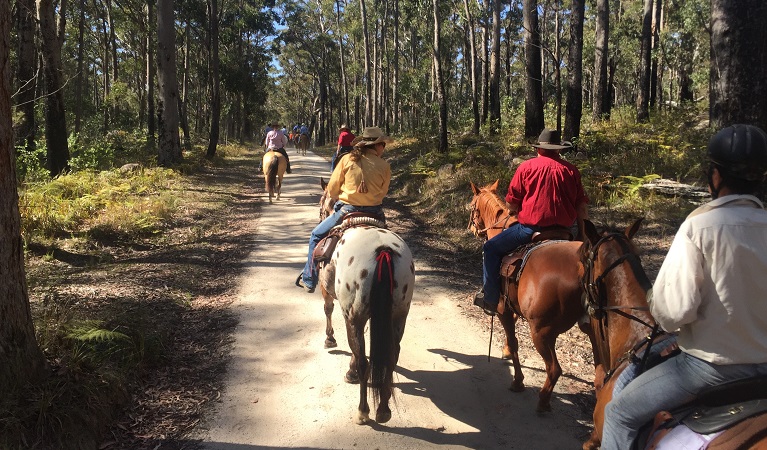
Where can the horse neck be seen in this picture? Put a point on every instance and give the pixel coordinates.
(626, 286)
(492, 210)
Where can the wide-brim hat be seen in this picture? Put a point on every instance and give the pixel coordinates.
(550, 140)
(371, 136)
(344, 127)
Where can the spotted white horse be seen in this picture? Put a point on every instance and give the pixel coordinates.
(372, 276)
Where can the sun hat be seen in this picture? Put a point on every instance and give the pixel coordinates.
(371, 136)
(344, 127)
(550, 140)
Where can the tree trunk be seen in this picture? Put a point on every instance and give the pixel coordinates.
(150, 74)
(495, 70)
(20, 357)
(574, 107)
(600, 92)
(80, 79)
(169, 145)
(656, 87)
(368, 74)
(25, 73)
(643, 97)
(395, 79)
(437, 51)
(534, 121)
(184, 97)
(738, 75)
(472, 67)
(55, 117)
(342, 60)
(216, 100)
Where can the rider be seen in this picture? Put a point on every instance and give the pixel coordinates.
(711, 287)
(545, 191)
(359, 184)
(276, 140)
(304, 130)
(345, 145)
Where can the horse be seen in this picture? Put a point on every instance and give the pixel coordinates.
(371, 274)
(616, 289)
(274, 166)
(303, 144)
(547, 295)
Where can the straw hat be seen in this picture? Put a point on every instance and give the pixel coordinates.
(550, 140)
(371, 136)
(344, 127)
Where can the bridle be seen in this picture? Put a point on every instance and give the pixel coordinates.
(475, 221)
(595, 297)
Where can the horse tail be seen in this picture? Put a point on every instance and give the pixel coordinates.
(382, 346)
(271, 173)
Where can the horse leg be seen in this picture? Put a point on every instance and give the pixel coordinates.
(544, 341)
(356, 335)
(383, 412)
(511, 348)
(279, 186)
(330, 340)
(588, 330)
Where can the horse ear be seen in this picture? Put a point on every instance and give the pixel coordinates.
(474, 188)
(632, 229)
(494, 186)
(323, 184)
(591, 231)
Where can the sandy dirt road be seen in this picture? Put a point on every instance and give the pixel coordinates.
(284, 390)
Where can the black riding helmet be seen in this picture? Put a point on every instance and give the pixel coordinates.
(740, 151)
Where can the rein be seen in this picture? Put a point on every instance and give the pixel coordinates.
(475, 218)
(595, 302)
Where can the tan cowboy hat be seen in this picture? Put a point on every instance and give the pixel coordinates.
(344, 127)
(371, 136)
(550, 140)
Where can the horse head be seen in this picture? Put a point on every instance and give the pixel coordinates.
(615, 295)
(326, 202)
(489, 213)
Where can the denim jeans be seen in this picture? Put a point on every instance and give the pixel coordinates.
(310, 273)
(342, 151)
(493, 252)
(666, 386)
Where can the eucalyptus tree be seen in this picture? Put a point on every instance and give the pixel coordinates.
(574, 102)
(439, 79)
(26, 76)
(738, 73)
(55, 115)
(534, 121)
(645, 62)
(169, 145)
(601, 99)
(20, 357)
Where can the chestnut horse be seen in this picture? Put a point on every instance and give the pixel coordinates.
(616, 287)
(372, 276)
(274, 166)
(548, 294)
(303, 144)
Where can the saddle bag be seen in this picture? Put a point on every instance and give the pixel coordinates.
(323, 252)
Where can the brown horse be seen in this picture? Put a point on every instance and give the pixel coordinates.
(303, 144)
(274, 166)
(616, 287)
(548, 294)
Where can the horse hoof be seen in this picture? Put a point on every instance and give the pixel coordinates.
(383, 416)
(517, 387)
(362, 418)
(543, 409)
(351, 377)
(330, 343)
(506, 355)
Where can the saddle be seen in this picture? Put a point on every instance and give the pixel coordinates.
(323, 252)
(720, 408)
(512, 264)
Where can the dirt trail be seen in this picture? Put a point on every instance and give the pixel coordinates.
(283, 390)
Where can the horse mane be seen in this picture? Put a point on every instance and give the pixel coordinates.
(493, 197)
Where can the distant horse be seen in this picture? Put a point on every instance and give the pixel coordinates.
(616, 287)
(274, 166)
(372, 276)
(303, 143)
(547, 295)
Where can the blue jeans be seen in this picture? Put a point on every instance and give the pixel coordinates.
(664, 387)
(336, 156)
(493, 252)
(310, 273)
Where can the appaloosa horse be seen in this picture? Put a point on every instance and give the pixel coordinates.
(547, 293)
(274, 166)
(616, 287)
(372, 276)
